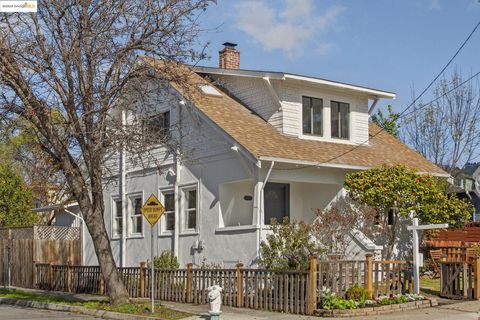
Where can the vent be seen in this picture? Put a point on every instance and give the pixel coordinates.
(210, 91)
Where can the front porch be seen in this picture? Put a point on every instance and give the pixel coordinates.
(280, 190)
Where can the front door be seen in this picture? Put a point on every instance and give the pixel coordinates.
(277, 201)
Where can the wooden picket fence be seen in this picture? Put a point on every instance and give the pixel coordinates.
(296, 292)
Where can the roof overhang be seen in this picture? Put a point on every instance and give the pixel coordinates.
(55, 207)
(336, 165)
(371, 92)
(313, 163)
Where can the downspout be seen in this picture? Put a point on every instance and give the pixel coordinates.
(83, 232)
(260, 217)
(176, 196)
(123, 184)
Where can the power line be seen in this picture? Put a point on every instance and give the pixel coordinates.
(443, 69)
(424, 105)
(410, 105)
(416, 99)
(382, 129)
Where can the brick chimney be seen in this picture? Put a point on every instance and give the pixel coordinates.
(229, 57)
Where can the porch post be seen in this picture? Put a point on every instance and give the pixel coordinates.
(257, 212)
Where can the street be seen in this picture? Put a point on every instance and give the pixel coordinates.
(17, 313)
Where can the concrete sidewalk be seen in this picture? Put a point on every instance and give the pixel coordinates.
(469, 310)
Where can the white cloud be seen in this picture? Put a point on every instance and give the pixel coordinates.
(292, 29)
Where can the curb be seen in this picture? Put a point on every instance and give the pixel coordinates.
(75, 309)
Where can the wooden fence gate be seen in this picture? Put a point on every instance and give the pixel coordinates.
(17, 257)
(460, 280)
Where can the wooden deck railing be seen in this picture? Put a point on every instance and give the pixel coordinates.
(284, 291)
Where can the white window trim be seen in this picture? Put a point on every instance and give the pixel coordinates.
(182, 188)
(163, 220)
(113, 211)
(312, 135)
(130, 234)
(349, 121)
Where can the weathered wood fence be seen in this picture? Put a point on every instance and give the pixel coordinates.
(17, 257)
(21, 246)
(460, 280)
(286, 291)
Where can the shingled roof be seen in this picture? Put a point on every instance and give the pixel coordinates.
(263, 141)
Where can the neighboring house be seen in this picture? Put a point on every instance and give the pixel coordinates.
(467, 181)
(265, 145)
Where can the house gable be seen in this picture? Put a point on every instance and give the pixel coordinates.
(263, 141)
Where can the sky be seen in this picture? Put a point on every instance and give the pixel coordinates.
(393, 45)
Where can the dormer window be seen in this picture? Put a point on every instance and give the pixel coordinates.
(340, 119)
(312, 111)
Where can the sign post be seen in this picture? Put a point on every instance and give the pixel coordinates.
(152, 210)
(416, 254)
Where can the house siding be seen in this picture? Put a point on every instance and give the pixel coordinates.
(209, 163)
(292, 111)
(254, 93)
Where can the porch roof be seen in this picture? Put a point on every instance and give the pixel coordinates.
(263, 141)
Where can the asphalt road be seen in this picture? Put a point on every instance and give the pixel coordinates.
(22, 313)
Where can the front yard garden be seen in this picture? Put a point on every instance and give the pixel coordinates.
(135, 308)
(357, 301)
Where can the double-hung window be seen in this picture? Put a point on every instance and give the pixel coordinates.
(312, 116)
(117, 218)
(340, 119)
(190, 208)
(136, 218)
(169, 203)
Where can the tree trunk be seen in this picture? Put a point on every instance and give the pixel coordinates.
(113, 282)
(391, 239)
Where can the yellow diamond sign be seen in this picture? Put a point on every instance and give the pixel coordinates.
(152, 209)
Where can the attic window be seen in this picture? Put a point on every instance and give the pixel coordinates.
(210, 91)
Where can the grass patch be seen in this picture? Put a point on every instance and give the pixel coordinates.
(136, 308)
(433, 284)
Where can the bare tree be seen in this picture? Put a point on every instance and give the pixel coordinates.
(333, 226)
(64, 70)
(446, 131)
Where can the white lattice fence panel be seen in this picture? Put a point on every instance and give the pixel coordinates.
(57, 233)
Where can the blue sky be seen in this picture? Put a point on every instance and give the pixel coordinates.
(385, 44)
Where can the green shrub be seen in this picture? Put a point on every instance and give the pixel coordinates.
(166, 260)
(336, 303)
(386, 301)
(357, 293)
(330, 301)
